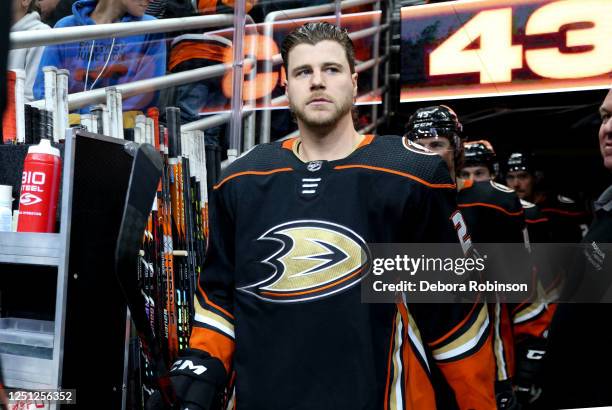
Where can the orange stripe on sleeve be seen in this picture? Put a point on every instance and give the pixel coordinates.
(392, 171)
(214, 343)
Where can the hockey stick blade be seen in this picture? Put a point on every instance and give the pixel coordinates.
(142, 188)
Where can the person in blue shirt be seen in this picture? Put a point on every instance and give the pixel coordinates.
(107, 62)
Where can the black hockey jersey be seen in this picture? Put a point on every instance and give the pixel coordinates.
(567, 219)
(279, 298)
(537, 223)
(494, 214)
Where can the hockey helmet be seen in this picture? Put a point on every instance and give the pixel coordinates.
(436, 121)
(520, 161)
(480, 152)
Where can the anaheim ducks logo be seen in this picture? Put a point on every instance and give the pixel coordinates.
(316, 259)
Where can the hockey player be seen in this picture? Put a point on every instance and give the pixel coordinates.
(567, 219)
(279, 303)
(531, 321)
(480, 164)
(493, 214)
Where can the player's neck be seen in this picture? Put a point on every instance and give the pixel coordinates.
(328, 144)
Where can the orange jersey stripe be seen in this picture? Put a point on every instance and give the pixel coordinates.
(288, 144)
(459, 326)
(214, 343)
(499, 208)
(392, 171)
(536, 327)
(562, 212)
(329, 285)
(535, 221)
(209, 302)
(367, 139)
(273, 171)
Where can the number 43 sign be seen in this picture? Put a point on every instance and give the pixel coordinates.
(479, 48)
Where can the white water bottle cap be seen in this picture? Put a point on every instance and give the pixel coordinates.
(44, 148)
(6, 195)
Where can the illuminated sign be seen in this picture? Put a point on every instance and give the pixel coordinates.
(480, 48)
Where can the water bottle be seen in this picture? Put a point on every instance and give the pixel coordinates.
(39, 188)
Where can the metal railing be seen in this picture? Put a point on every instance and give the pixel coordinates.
(82, 99)
(35, 38)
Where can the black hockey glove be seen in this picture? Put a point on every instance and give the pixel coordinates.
(529, 357)
(198, 381)
(505, 397)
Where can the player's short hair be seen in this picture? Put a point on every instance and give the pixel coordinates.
(313, 33)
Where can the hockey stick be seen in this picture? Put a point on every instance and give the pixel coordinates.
(144, 177)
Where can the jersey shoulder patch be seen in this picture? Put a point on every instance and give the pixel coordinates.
(417, 148)
(527, 204)
(393, 154)
(501, 187)
(565, 200)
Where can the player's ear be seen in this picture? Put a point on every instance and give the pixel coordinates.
(354, 81)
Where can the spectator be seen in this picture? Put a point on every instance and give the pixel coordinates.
(51, 11)
(107, 62)
(25, 17)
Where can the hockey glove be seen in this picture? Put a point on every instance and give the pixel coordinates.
(529, 357)
(198, 381)
(505, 397)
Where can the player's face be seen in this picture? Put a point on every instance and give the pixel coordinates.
(478, 173)
(320, 86)
(442, 147)
(522, 182)
(605, 131)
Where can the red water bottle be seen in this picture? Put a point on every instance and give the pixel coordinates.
(39, 188)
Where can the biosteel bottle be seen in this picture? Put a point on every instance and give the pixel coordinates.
(39, 188)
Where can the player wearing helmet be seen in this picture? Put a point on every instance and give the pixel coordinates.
(493, 214)
(568, 220)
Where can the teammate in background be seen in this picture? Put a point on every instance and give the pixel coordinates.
(279, 301)
(107, 62)
(480, 164)
(530, 321)
(25, 18)
(580, 338)
(493, 214)
(567, 219)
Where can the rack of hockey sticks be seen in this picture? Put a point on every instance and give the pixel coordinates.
(174, 242)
